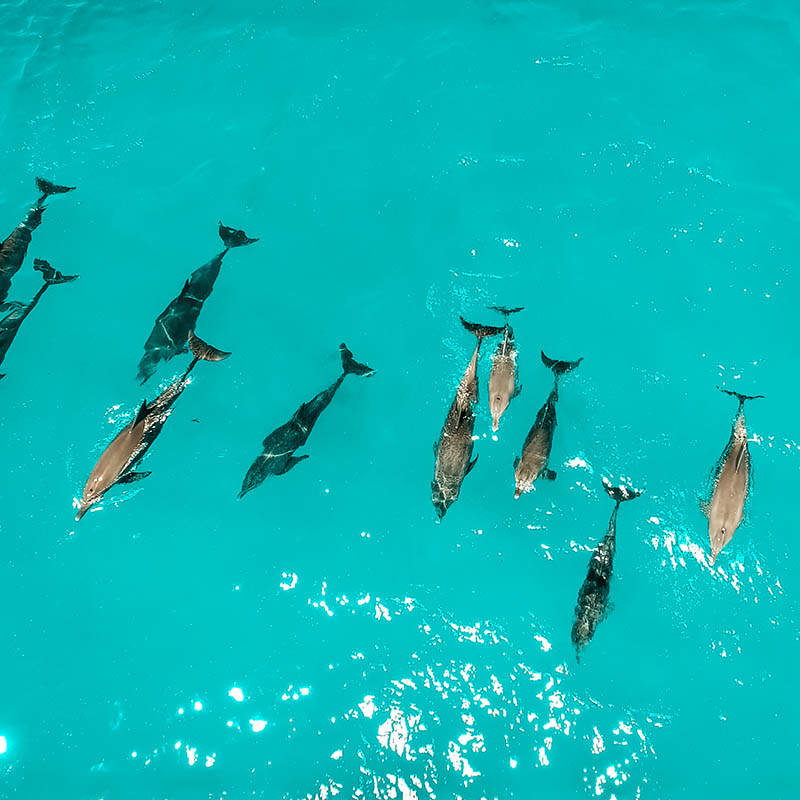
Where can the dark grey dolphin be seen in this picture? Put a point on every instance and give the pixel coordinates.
(279, 447)
(15, 246)
(539, 442)
(453, 451)
(592, 603)
(731, 483)
(10, 324)
(125, 451)
(503, 377)
(171, 330)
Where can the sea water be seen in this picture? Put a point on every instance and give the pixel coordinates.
(627, 172)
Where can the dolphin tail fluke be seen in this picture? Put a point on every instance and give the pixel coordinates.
(506, 311)
(481, 331)
(741, 397)
(204, 351)
(234, 238)
(620, 493)
(559, 367)
(51, 276)
(48, 187)
(351, 366)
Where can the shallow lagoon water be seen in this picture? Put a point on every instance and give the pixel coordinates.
(625, 171)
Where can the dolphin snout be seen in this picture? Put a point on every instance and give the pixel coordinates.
(82, 509)
(517, 493)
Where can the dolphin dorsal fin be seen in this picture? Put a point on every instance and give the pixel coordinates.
(140, 414)
(740, 456)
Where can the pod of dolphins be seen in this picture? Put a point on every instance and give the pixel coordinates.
(174, 334)
(454, 460)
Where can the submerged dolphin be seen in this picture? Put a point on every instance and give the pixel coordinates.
(453, 451)
(592, 602)
(279, 447)
(731, 482)
(539, 442)
(503, 378)
(15, 246)
(130, 445)
(10, 324)
(171, 330)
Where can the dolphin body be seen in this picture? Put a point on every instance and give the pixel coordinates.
(127, 449)
(15, 246)
(592, 605)
(532, 464)
(171, 330)
(10, 324)
(453, 451)
(503, 377)
(731, 483)
(279, 447)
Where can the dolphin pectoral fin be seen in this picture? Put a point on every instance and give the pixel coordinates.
(471, 465)
(516, 462)
(705, 507)
(517, 391)
(549, 474)
(132, 477)
(292, 461)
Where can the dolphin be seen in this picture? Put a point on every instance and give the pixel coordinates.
(731, 482)
(125, 451)
(592, 603)
(453, 451)
(503, 377)
(171, 330)
(532, 464)
(15, 246)
(279, 447)
(10, 324)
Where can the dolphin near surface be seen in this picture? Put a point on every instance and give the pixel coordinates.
(126, 450)
(453, 451)
(171, 330)
(532, 464)
(503, 379)
(731, 483)
(11, 322)
(15, 246)
(278, 455)
(592, 605)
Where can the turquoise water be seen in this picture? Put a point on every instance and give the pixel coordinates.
(625, 171)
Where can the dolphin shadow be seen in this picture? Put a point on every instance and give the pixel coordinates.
(15, 246)
(279, 447)
(170, 333)
(592, 605)
(11, 323)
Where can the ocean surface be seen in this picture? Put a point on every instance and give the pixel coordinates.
(627, 172)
